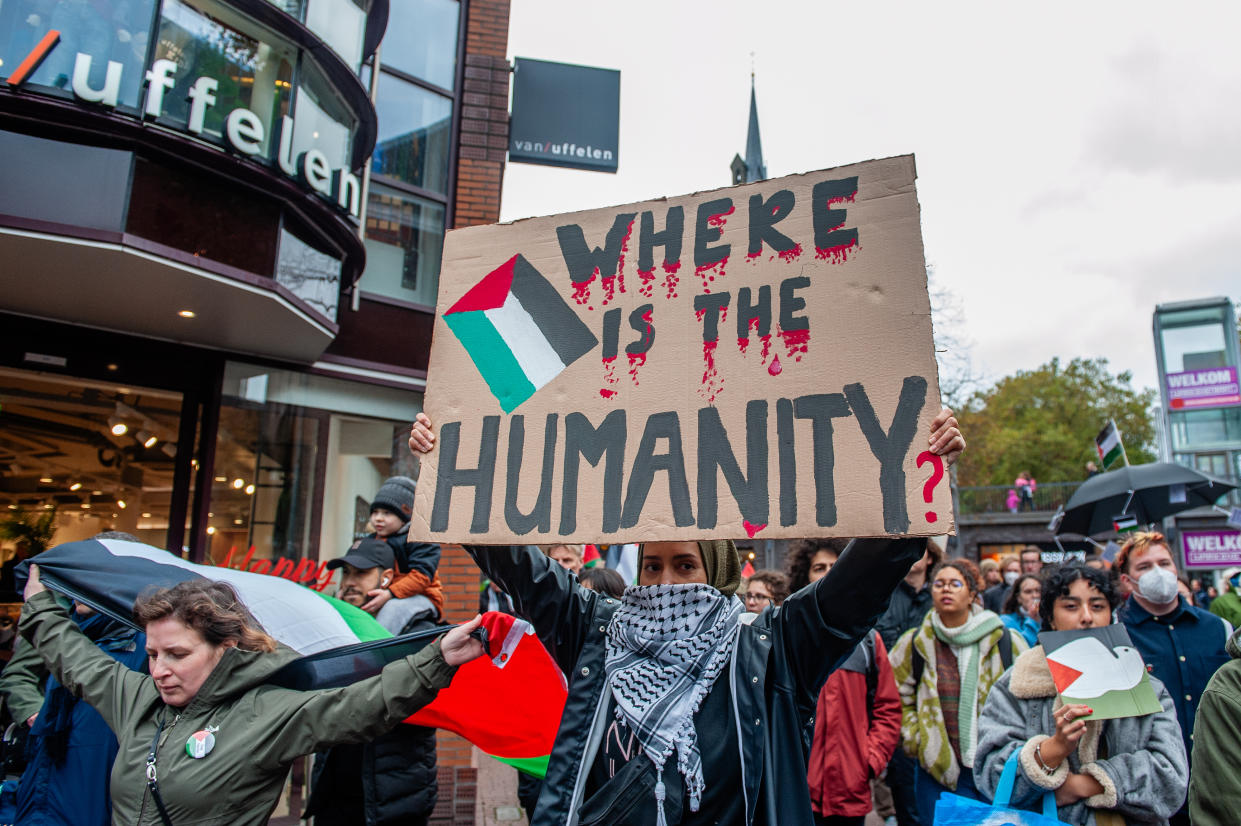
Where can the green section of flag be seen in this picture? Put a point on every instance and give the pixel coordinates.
(1109, 445)
(534, 766)
(493, 358)
(1125, 524)
(362, 624)
(1134, 702)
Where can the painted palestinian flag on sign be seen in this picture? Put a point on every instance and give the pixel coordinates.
(342, 644)
(1099, 667)
(518, 331)
(1108, 445)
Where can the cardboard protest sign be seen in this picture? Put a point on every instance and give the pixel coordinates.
(1099, 667)
(753, 361)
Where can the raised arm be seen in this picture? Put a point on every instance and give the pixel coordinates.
(22, 681)
(314, 720)
(113, 689)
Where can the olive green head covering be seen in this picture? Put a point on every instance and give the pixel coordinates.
(721, 561)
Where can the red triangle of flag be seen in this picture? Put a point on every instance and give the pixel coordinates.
(489, 293)
(590, 557)
(1062, 675)
(747, 570)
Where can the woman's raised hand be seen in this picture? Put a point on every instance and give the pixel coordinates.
(458, 647)
(421, 436)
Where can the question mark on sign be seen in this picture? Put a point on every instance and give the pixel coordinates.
(928, 489)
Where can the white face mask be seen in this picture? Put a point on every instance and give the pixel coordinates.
(1158, 585)
(1010, 577)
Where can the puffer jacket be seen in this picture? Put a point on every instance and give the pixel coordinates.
(258, 729)
(1215, 785)
(779, 664)
(924, 734)
(1139, 761)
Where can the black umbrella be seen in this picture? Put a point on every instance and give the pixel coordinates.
(1144, 492)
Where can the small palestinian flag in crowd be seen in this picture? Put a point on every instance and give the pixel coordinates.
(518, 331)
(591, 557)
(747, 570)
(1109, 445)
(1124, 523)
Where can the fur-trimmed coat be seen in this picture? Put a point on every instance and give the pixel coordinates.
(924, 734)
(1139, 761)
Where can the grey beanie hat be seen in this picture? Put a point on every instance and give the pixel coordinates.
(396, 494)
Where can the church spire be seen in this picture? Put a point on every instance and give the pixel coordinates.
(751, 168)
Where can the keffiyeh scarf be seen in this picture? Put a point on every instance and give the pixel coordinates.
(666, 645)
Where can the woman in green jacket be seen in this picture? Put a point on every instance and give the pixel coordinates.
(202, 740)
(944, 670)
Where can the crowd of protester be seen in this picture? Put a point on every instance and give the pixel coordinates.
(867, 676)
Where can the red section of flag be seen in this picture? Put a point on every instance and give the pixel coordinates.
(509, 703)
(747, 570)
(489, 293)
(1062, 675)
(33, 59)
(590, 556)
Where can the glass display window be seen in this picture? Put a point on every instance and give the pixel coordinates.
(415, 134)
(421, 40)
(404, 243)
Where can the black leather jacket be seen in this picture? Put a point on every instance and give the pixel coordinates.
(780, 663)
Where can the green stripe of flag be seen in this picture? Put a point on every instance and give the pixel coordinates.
(536, 766)
(492, 357)
(366, 627)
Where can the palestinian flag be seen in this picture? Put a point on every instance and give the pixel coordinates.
(342, 644)
(590, 556)
(1124, 523)
(747, 570)
(1109, 445)
(519, 332)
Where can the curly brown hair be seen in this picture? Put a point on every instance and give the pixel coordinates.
(797, 561)
(775, 581)
(210, 608)
(969, 571)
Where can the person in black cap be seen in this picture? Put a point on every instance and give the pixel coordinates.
(417, 563)
(392, 778)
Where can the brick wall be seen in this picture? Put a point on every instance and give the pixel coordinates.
(480, 174)
(484, 114)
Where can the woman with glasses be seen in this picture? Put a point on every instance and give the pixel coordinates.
(945, 668)
(767, 588)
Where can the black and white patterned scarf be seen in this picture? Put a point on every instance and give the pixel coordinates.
(666, 645)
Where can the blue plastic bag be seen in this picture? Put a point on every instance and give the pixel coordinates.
(954, 810)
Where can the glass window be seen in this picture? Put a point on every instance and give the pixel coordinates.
(293, 8)
(1199, 347)
(404, 241)
(210, 40)
(312, 276)
(322, 120)
(1204, 429)
(82, 457)
(421, 40)
(415, 134)
(66, 183)
(117, 32)
(342, 25)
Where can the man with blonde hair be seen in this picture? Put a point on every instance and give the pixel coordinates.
(569, 556)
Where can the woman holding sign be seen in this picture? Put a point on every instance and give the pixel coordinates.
(1103, 772)
(677, 712)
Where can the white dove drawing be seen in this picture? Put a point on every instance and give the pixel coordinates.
(1098, 669)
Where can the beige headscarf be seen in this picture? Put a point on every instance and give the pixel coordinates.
(723, 564)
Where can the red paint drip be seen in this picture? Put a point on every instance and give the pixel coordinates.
(670, 277)
(707, 273)
(766, 351)
(606, 393)
(775, 367)
(609, 370)
(838, 254)
(742, 344)
(721, 218)
(711, 381)
(615, 283)
(750, 530)
(636, 360)
(581, 291)
(609, 290)
(789, 256)
(647, 282)
(840, 199)
(796, 342)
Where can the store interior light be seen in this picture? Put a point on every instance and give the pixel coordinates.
(238, 521)
(46, 480)
(147, 438)
(120, 503)
(238, 484)
(114, 367)
(211, 530)
(86, 506)
(249, 490)
(96, 493)
(47, 506)
(187, 313)
(117, 426)
(12, 507)
(146, 515)
(76, 486)
(221, 478)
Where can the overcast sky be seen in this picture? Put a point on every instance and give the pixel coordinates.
(1078, 162)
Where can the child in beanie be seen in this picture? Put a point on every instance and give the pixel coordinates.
(417, 562)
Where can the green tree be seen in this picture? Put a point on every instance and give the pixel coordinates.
(1045, 421)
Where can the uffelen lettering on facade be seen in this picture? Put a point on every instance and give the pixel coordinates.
(243, 129)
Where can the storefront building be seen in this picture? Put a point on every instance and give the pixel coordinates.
(220, 233)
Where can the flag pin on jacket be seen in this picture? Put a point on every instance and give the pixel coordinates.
(201, 743)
